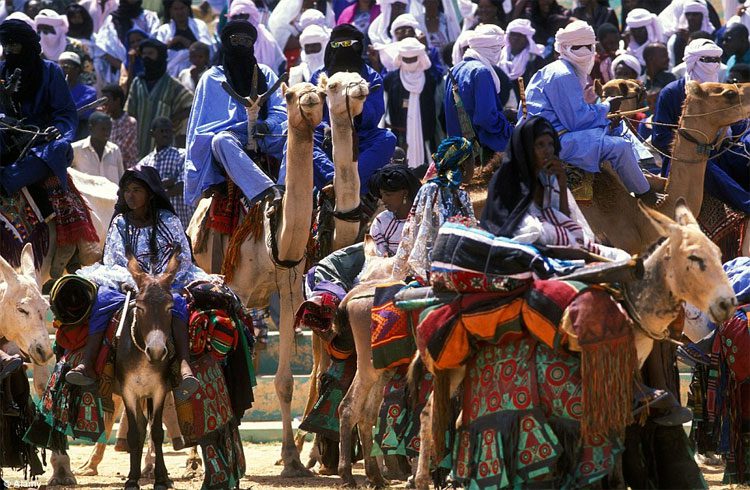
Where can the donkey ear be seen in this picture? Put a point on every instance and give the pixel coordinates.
(27, 262)
(683, 215)
(135, 270)
(7, 272)
(167, 277)
(662, 222)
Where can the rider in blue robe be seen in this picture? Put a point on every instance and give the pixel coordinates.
(376, 145)
(482, 102)
(44, 101)
(217, 128)
(726, 177)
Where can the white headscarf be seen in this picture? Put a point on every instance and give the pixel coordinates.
(672, 14)
(53, 45)
(267, 50)
(413, 78)
(486, 46)
(577, 33)
(312, 17)
(311, 35)
(629, 60)
(515, 66)
(695, 6)
(698, 70)
(462, 42)
(643, 18)
(98, 16)
(23, 17)
(404, 20)
(378, 31)
(283, 21)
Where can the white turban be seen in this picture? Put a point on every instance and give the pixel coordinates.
(486, 46)
(413, 78)
(643, 18)
(267, 50)
(698, 70)
(577, 33)
(312, 17)
(311, 35)
(378, 30)
(23, 17)
(53, 45)
(695, 6)
(404, 20)
(462, 42)
(630, 61)
(515, 66)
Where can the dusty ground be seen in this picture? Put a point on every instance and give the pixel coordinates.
(261, 472)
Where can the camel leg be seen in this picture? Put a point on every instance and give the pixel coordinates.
(91, 466)
(192, 464)
(61, 473)
(423, 480)
(351, 413)
(312, 394)
(290, 291)
(369, 418)
(147, 471)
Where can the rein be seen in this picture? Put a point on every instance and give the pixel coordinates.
(132, 336)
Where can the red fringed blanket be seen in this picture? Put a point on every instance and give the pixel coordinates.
(72, 215)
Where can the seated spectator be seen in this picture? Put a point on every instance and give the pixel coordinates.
(644, 28)
(379, 32)
(99, 10)
(313, 40)
(739, 73)
(595, 13)
(53, 29)
(267, 50)
(521, 55)
(32, 8)
(360, 14)
(170, 163)
(396, 186)
(656, 57)
(626, 66)
(606, 51)
(694, 18)
(442, 23)
(95, 154)
(200, 58)
(179, 31)
(680, 71)
(82, 94)
(124, 126)
(736, 45)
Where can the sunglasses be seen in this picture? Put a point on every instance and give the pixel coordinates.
(347, 43)
(710, 59)
(581, 46)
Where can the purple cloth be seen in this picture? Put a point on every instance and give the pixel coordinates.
(108, 301)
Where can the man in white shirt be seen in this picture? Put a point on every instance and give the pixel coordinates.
(96, 155)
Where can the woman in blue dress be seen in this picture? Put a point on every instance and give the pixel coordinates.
(145, 226)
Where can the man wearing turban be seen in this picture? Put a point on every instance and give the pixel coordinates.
(556, 93)
(313, 41)
(644, 28)
(726, 175)
(217, 129)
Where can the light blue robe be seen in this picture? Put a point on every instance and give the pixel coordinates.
(215, 112)
(555, 94)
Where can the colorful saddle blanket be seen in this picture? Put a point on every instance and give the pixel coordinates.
(21, 222)
(391, 331)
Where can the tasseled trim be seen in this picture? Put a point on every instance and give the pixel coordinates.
(251, 228)
(72, 214)
(607, 384)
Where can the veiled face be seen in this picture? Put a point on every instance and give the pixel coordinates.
(639, 35)
(517, 42)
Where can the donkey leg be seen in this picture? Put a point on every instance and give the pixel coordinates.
(91, 466)
(350, 414)
(161, 477)
(291, 296)
(136, 436)
(169, 416)
(370, 416)
(423, 480)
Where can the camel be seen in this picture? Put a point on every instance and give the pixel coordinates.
(683, 267)
(257, 274)
(708, 108)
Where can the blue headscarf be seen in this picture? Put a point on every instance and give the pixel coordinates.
(448, 157)
(137, 69)
(738, 272)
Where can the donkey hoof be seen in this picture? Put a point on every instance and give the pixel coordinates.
(132, 484)
(163, 485)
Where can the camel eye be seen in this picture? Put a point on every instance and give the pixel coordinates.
(730, 94)
(289, 96)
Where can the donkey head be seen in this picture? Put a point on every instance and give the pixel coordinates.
(153, 307)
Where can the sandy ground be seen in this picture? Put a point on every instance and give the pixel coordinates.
(261, 472)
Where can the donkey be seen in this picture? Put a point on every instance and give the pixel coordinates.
(142, 364)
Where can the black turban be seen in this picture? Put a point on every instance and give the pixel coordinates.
(168, 5)
(239, 61)
(153, 69)
(29, 61)
(345, 58)
(394, 177)
(18, 31)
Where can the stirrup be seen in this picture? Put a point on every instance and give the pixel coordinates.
(13, 363)
(76, 377)
(188, 386)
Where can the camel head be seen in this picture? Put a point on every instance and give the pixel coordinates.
(304, 102)
(342, 87)
(633, 92)
(24, 310)
(692, 264)
(377, 268)
(712, 106)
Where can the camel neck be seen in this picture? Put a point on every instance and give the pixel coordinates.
(686, 174)
(346, 183)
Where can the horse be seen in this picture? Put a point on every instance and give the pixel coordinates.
(142, 365)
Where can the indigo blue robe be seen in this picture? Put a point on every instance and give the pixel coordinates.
(52, 106)
(376, 144)
(482, 103)
(215, 111)
(727, 177)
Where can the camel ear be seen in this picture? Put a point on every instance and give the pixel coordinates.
(284, 88)
(167, 277)
(27, 262)
(694, 89)
(371, 248)
(662, 222)
(135, 270)
(624, 89)
(323, 82)
(683, 215)
(598, 89)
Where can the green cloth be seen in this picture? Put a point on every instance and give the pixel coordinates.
(342, 266)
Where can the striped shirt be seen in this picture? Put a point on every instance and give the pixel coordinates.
(386, 231)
